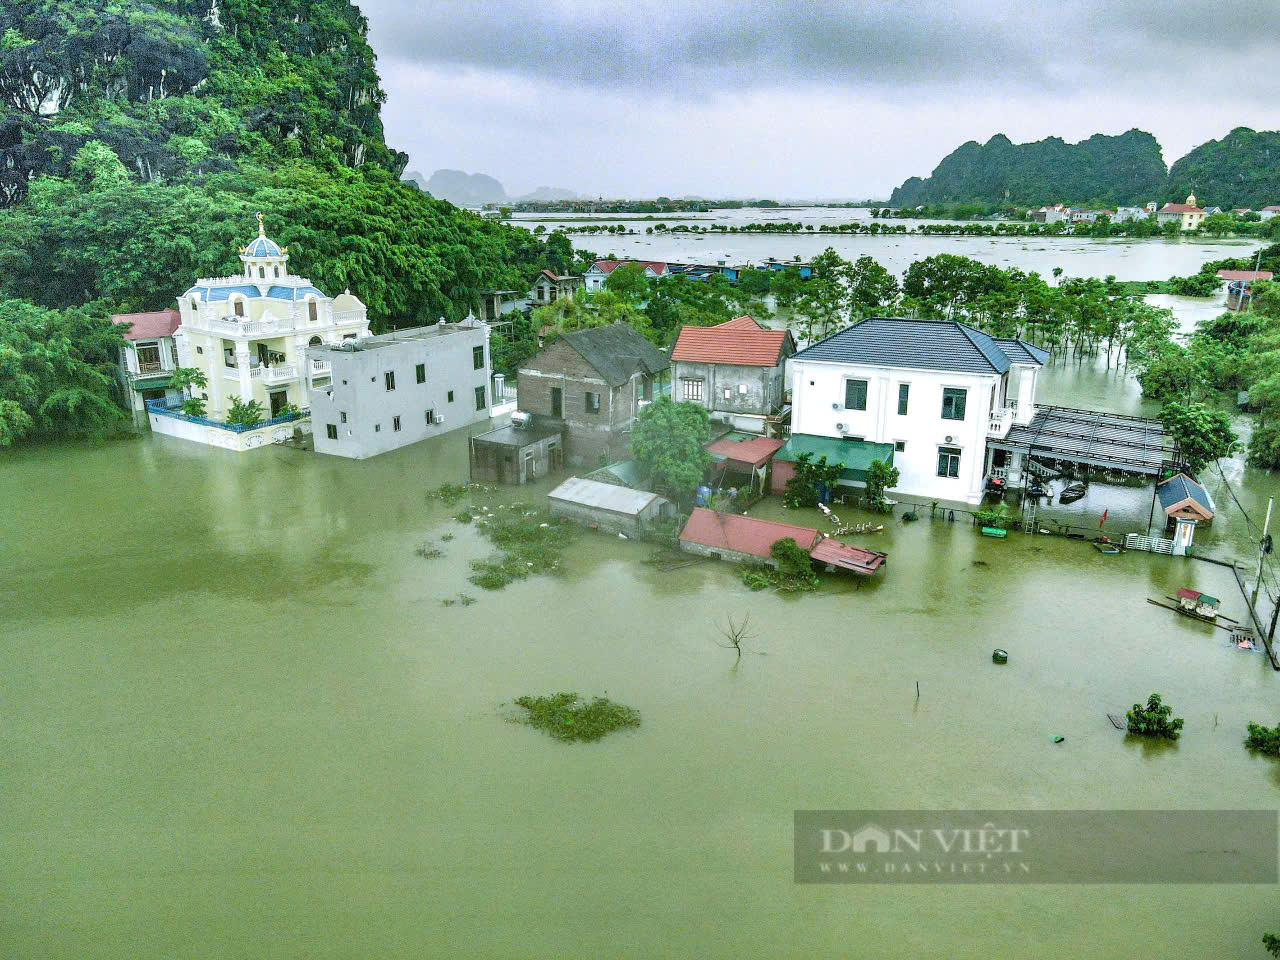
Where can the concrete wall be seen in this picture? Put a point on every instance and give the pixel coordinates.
(719, 553)
(226, 439)
(359, 391)
(764, 388)
(493, 463)
(818, 395)
(607, 520)
(591, 439)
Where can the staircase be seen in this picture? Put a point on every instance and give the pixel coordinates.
(1029, 515)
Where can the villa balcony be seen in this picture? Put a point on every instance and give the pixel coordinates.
(277, 373)
(319, 367)
(1000, 422)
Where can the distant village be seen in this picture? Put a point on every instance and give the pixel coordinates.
(265, 357)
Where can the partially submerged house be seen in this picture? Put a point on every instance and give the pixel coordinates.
(934, 390)
(609, 507)
(517, 453)
(594, 277)
(149, 356)
(735, 369)
(550, 287)
(731, 536)
(744, 456)
(1185, 503)
(1240, 285)
(593, 383)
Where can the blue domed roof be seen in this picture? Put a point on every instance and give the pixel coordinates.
(261, 246)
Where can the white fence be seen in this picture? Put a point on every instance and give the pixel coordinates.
(1136, 541)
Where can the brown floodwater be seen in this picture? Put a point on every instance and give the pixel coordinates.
(239, 722)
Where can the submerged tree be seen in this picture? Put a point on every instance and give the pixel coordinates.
(669, 438)
(1154, 720)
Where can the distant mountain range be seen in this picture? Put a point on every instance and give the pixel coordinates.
(1241, 170)
(476, 189)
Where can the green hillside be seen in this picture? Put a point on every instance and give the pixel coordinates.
(1240, 170)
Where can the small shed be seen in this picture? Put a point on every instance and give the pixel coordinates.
(749, 456)
(731, 536)
(516, 454)
(839, 555)
(609, 507)
(1184, 499)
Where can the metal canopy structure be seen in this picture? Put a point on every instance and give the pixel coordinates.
(1112, 441)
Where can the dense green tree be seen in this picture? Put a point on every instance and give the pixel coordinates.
(669, 438)
(1202, 433)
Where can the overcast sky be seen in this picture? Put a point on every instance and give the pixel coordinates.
(802, 98)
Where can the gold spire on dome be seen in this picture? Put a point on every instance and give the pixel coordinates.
(262, 232)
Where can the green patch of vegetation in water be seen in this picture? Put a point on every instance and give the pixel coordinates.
(528, 545)
(451, 493)
(1154, 720)
(566, 718)
(1264, 739)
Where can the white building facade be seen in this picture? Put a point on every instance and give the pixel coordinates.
(248, 334)
(936, 390)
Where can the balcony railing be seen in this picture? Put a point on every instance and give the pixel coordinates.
(320, 366)
(1000, 422)
(173, 409)
(149, 369)
(276, 373)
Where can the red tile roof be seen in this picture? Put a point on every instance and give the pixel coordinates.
(608, 266)
(840, 554)
(149, 326)
(1272, 209)
(754, 452)
(550, 276)
(731, 531)
(1245, 275)
(737, 342)
(1180, 208)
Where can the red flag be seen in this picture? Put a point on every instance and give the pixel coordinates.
(1104, 518)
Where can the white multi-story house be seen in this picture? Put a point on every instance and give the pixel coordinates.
(598, 272)
(1188, 215)
(149, 356)
(935, 390)
(248, 334)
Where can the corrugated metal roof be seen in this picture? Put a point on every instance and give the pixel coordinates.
(603, 496)
(754, 451)
(856, 455)
(1181, 488)
(916, 344)
(731, 531)
(627, 473)
(857, 559)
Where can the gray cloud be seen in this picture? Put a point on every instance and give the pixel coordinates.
(553, 92)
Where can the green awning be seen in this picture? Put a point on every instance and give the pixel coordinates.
(153, 382)
(856, 455)
(624, 473)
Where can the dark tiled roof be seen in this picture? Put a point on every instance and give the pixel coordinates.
(918, 344)
(1177, 489)
(617, 352)
(1019, 351)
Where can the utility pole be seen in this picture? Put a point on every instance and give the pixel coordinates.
(1264, 547)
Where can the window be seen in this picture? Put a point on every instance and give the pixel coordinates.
(331, 431)
(451, 396)
(593, 402)
(431, 417)
(904, 394)
(728, 393)
(855, 394)
(742, 389)
(342, 415)
(691, 389)
(477, 358)
(421, 371)
(239, 308)
(262, 273)
(948, 461)
(899, 446)
(480, 404)
(313, 311)
(389, 378)
(953, 403)
(195, 305)
(377, 428)
(314, 342)
(199, 349)
(277, 271)
(395, 424)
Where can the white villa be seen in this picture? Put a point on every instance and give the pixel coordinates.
(249, 335)
(1188, 215)
(938, 391)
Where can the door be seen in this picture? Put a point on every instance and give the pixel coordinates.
(278, 399)
(557, 402)
(262, 354)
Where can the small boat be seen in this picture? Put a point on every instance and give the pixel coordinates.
(1110, 549)
(1072, 492)
(1198, 605)
(994, 532)
(999, 656)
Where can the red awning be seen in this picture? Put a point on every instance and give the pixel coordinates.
(752, 453)
(857, 559)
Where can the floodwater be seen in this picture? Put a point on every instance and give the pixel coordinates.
(1153, 259)
(239, 722)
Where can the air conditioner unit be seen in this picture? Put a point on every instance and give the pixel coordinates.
(950, 440)
(439, 420)
(840, 427)
(834, 406)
